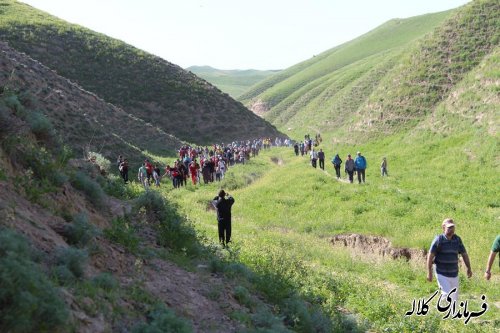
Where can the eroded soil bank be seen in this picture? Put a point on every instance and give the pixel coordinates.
(378, 248)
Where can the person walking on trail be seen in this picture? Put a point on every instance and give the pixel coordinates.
(337, 162)
(223, 203)
(443, 254)
(296, 149)
(142, 176)
(321, 158)
(149, 170)
(193, 170)
(157, 175)
(383, 167)
(349, 168)
(360, 165)
(123, 168)
(314, 157)
(495, 248)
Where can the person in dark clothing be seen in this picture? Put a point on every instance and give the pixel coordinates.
(337, 162)
(296, 149)
(349, 167)
(321, 157)
(123, 168)
(223, 203)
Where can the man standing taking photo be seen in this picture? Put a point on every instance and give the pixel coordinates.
(223, 206)
(444, 255)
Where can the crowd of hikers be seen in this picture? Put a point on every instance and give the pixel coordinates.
(352, 166)
(210, 163)
(207, 164)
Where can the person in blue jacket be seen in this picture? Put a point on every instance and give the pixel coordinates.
(360, 165)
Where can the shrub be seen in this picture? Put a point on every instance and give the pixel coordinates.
(172, 230)
(5, 122)
(243, 297)
(29, 302)
(265, 321)
(40, 125)
(80, 232)
(73, 259)
(164, 320)
(92, 190)
(105, 281)
(122, 232)
(102, 162)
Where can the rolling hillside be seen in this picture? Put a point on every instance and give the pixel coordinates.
(86, 122)
(233, 82)
(142, 84)
(388, 78)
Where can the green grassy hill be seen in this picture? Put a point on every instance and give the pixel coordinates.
(286, 213)
(233, 82)
(431, 106)
(144, 85)
(383, 80)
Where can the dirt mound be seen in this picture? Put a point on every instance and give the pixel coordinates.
(277, 160)
(378, 248)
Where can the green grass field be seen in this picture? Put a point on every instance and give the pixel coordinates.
(290, 211)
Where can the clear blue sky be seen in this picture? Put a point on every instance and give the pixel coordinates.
(237, 34)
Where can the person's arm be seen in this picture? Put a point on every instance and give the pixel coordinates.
(491, 259)
(430, 260)
(465, 256)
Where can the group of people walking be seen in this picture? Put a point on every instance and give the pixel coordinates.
(208, 163)
(358, 165)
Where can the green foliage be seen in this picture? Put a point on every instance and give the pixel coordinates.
(40, 125)
(161, 319)
(80, 232)
(92, 190)
(123, 232)
(243, 297)
(105, 281)
(102, 162)
(71, 260)
(173, 231)
(30, 303)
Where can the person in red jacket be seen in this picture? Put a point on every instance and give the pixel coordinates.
(149, 170)
(193, 170)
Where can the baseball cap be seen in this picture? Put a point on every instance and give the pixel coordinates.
(448, 223)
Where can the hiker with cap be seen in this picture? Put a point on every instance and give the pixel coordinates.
(360, 165)
(495, 248)
(443, 254)
(223, 203)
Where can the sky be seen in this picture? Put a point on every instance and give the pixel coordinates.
(237, 34)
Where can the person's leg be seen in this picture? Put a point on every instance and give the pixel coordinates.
(447, 284)
(363, 174)
(228, 232)
(351, 176)
(221, 232)
(359, 176)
